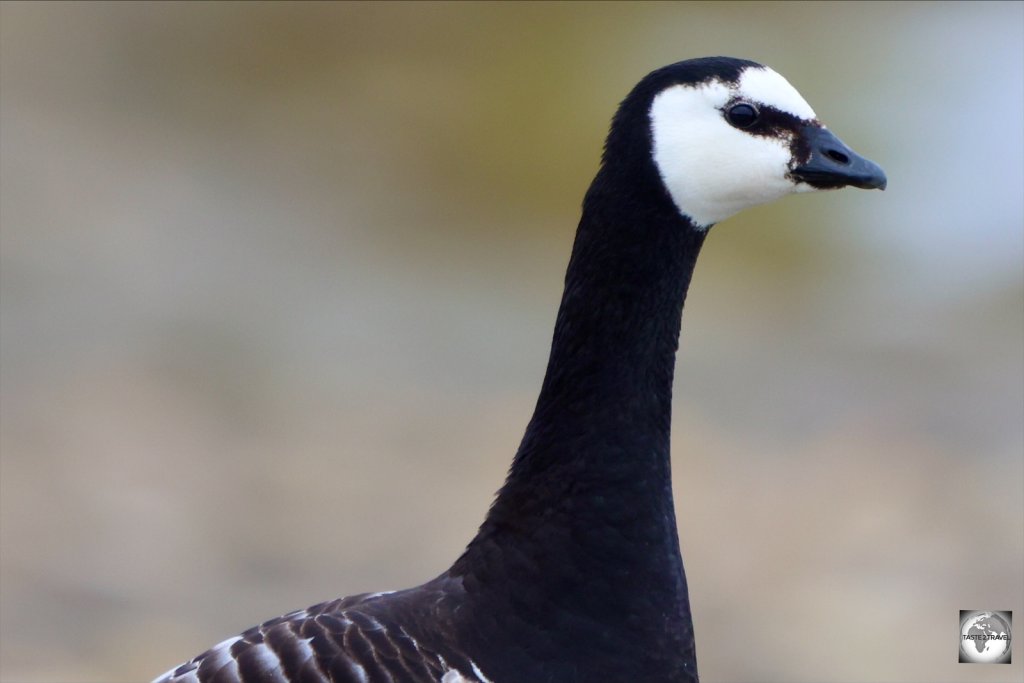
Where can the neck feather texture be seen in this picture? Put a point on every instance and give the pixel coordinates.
(584, 529)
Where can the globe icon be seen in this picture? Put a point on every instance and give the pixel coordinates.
(985, 638)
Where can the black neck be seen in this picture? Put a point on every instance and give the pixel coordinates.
(585, 526)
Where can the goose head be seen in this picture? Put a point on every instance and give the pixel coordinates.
(726, 134)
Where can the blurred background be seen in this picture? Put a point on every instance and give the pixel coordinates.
(278, 283)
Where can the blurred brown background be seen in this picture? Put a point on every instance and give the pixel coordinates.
(278, 282)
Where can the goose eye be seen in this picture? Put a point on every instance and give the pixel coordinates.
(742, 115)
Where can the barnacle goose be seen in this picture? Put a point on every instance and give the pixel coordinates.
(575, 575)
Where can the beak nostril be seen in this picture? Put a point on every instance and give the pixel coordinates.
(831, 164)
(837, 156)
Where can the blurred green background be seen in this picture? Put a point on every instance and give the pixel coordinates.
(278, 283)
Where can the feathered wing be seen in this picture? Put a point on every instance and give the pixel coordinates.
(358, 639)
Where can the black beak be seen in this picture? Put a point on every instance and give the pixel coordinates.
(832, 164)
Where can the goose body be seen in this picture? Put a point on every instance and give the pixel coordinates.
(575, 575)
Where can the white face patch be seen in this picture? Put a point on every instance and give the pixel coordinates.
(711, 169)
(768, 87)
